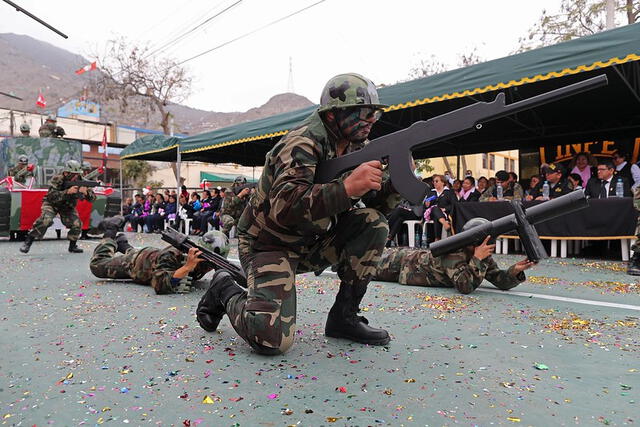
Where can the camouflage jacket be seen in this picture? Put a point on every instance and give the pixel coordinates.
(155, 267)
(22, 178)
(287, 209)
(460, 270)
(233, 205)
(47, 130)
(515, 192)
(57, 195)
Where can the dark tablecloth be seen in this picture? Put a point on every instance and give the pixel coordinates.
(610, 217)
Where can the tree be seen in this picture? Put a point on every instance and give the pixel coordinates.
(135, 79)
(577, 18)
(137, 171)
(424, 166)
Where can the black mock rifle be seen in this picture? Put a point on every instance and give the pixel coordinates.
(93, 174)
(395, 149)
(522, 221)
(23, 171)
(81, 183)
(238, 188)
(183, 244)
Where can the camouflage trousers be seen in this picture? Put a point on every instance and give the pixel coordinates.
(265, 315)
(69, 218)
(106, 264)
(635, 247)
(227, 222)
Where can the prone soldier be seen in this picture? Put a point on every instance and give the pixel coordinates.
(61, 198)
(17, 171)
(233, 205)
(166, 270)
(464, 269)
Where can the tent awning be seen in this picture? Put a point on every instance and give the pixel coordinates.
(525, 74)
(222, 177)
(152, 147)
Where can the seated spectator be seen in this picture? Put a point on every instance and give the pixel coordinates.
(147, 207)
(492, 182)
(513, 177)
(482, 185)
(209, 209)
(468, 192)
(136, 212)
(510, 190)
(155, 219)
(184, 192)
(171, 209)
(198, 215)
(575, 181)
(455, 187)
(558, 186)
(439, 208)
(468, 173)
(584, 165)
(533, 183)
(448, 178)
(128, 205)
(625, 169)
(604, 185)
(405, 211)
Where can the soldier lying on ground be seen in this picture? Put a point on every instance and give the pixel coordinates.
(464, 269)
(166, 270)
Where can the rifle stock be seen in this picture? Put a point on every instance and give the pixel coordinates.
(395, 148)
(183, 244)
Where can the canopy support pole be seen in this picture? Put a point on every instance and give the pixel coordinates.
(121, 194)
(626, 83)
(178, 161)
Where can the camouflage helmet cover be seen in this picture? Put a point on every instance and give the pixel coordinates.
(240, 180)
(216, 241)
(86, 166)
(73, 166)
(25, 127)
(23, 159)
(482, 234)
(349, 90)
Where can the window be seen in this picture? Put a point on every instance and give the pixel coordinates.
(86, 148)
(512, 165)
(484, 160)
(492, 161)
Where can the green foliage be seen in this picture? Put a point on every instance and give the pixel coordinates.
(137, 171)
(154, 184)
(577, 18)
(424, 166)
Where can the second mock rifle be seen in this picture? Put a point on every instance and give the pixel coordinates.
(395, 148)
(81, 183)
(522, 221)
(24, 171)
(93, 174)
(217, 261)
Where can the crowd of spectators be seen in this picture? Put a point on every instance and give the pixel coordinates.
(599, 178)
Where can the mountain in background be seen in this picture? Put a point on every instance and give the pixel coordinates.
(29, 65)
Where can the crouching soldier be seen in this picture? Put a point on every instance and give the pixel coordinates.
(464, 269)
(166, 270)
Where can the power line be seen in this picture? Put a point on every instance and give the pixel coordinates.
(171, 42)
(251, 32)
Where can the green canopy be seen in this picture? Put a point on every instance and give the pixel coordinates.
(152, 147)
(615, 52)
(222, 177)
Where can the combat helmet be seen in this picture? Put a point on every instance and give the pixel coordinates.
(216, 241)
(477, 222)
(23, 159)
(25, 127)
(349, 90)
(240, 180)
(86, 166)
(73, 166)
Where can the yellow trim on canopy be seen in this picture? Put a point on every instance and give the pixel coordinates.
(149, 152)
(238, 141)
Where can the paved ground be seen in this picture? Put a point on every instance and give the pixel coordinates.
(81, 351)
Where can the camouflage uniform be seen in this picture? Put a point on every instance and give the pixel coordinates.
(22, 178)
(147, 266)
(232, 208)
(460, 270)
(293, 226)
(514, 192)
(58, 201)
(47, 130)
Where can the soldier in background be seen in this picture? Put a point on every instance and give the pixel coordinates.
(233, 206)
(464, 269)
(25, 130)
(23, 163)
(50, 129)
(166, 270)
(61, 199)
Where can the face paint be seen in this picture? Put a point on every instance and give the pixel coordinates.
(355, 124)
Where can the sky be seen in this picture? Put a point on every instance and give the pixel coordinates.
(382, 40)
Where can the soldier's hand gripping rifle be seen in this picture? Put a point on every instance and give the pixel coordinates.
(521, 221)
(183, 244)
(395, 148)
(238, 188)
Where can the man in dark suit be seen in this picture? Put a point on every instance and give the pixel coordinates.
(604, 185)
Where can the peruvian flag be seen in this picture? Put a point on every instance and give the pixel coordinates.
(40, 102)
(86, 68)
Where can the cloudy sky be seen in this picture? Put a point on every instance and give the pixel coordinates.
(380, 39)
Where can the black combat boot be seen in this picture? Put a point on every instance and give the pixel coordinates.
(26, 246)
(633, 268)
(213, 304)
(343, 320)
(111, 226)
(73, 247)
(84, 235)
(123, 243)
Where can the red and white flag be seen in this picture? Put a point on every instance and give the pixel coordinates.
(86, 68)
(40, 102)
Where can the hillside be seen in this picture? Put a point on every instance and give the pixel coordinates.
(28, 64)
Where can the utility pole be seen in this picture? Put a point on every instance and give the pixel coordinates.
(610, 8)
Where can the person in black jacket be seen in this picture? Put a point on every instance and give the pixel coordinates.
(405, 211)
(209, 208)
(558, 185)
(439, 209)
(604, 185)
(468, 192)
